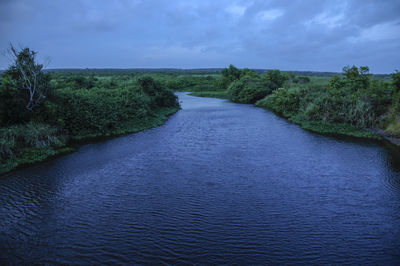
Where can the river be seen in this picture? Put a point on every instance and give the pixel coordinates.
(219, 183)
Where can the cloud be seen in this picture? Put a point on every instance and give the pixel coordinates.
(270, 14)
(380, 32)
(236, 10)
(285, 34)
(328, 20)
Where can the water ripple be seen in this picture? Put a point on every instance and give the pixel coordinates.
(220, 183)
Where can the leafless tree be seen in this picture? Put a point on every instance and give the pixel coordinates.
(27, 75)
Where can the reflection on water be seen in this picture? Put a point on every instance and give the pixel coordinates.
(219, 183)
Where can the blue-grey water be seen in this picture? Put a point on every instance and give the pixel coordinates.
(219, 183)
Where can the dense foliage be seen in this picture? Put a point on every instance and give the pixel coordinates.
(352, 98)
(73, 107)
(246, 86)
(345, 104)
(247, 90)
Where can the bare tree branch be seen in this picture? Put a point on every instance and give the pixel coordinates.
(30, 76)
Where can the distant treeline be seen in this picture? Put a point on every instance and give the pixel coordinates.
(179, 71)
(135, 70)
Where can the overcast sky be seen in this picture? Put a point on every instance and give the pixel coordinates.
(289, 35)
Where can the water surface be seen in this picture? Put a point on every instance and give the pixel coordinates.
(218, 183)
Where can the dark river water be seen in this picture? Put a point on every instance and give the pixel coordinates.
(219, 183)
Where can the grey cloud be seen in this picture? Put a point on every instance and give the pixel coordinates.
(286, 34)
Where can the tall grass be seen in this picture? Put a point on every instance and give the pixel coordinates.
(15, 139)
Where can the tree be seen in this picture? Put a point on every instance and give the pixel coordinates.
(228, 75)
(232, 72)
(26, 75)
(248, 72)
(276, 78)
(357, 78)
(149, 86)
(247, 89)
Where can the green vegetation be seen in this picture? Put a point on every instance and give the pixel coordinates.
(352, 99)
(346, 104)
(41, 113)
(349, 103)
(250, 87)
(329, 128)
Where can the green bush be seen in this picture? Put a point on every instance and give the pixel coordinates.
(247, 90)
(160, 96)
(275, 79)
(354, 100)
(99, 111)
(283, 101)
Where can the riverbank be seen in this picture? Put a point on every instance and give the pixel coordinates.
(35, 155)
(324, 128)
(335, 129)
(389, 138)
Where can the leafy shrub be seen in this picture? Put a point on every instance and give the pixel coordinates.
(247, 90)
(229, 75)
(283, 101)
(321, 103)
(159, 95)
(99, 111)
(275, 78)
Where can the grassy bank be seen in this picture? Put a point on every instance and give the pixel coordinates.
(335, 129)
(157, 118)
(31, 153)
(325, 128)
(31, 156)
